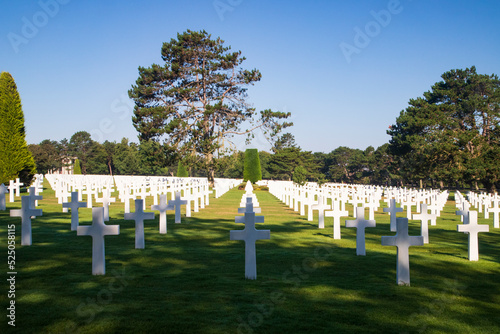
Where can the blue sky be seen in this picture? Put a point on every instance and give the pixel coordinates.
(74, 61)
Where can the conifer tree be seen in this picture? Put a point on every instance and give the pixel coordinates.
(252, 170)
(16, 161)
(77, 169)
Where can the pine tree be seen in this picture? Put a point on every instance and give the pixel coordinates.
(16, 161)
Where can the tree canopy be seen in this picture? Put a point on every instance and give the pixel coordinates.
(196, 101)
(452, 133)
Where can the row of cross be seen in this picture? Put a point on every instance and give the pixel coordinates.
(98, 230)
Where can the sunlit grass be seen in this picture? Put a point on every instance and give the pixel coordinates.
(192, 279)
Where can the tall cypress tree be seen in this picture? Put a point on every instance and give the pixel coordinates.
(252, 170)
(15, 158)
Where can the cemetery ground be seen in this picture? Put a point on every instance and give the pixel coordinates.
(191, 280)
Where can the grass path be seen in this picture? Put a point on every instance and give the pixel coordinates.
(192, 279)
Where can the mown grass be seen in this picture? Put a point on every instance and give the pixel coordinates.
(192, 279)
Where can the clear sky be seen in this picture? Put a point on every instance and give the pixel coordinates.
(344, 69)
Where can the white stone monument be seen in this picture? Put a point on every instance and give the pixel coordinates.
(250, 235)
(393, 211)
(336, 213)
(26, 212)
(97, 231)
(3, 191)
(139, 216)
(177, 205)
(424, 217)
(74, 205)
(473, 228)
(106, 199)
(163, 208)
(321, 207)
(360, 224)
(403, 242)
(12, 189)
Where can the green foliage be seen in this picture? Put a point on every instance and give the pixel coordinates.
(451, 132)
(181, 170)
(299, 175)
(252, 170)
(196, 100)
(126, 158)
(48, 155)
(16, 159)
(77, 170)
(448, 293)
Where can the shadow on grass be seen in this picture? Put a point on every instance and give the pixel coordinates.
(191, 280)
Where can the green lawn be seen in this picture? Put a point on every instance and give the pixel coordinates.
(192, 279)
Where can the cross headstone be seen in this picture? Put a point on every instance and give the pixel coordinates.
(3, 191)
(393, 211)
(402, 241)
(250, 235)
(18, 185)
(26, 212)
(177, 205)
(473, 228)
(495, 209)
(336, 213)
(88, 191)
(139, 216)
(33, 197)
(163, 208)
(321, 207)
(106, 200)
(360, 224)
(97, 231)
(126, 197)
(74, 205)
(249, 208)
(12, 189)
(424, 217)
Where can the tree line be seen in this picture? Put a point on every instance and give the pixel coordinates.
(189, 108)
(286, 161)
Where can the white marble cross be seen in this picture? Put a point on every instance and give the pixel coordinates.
(495, 209)
(473, 228)
(360, 224)
(88, 191)
(424, 217)
(106, 200)
(33, 197)
(402, 241)
(18, 185)
(3, 191)
(336, 213)
(249, 208)
(12, 189)
(74, 205)
(139, 216)
(26, 212)
(393, 211)
(177, 204)
(321, 207)
(163, 208)
(126, 197)
(250, 235)
(97, 231)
